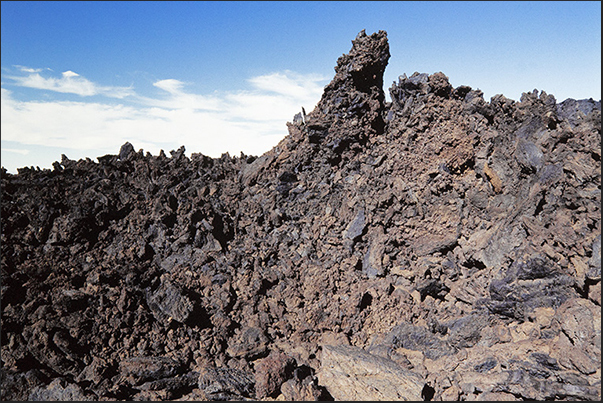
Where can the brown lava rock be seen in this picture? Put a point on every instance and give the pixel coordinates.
(437, 240)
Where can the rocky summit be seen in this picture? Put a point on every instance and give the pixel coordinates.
(435, 247)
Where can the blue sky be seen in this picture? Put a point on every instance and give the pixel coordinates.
(82, 78)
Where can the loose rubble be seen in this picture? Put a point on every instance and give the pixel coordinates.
(435, 247)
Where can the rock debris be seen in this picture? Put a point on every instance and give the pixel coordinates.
(435, 247)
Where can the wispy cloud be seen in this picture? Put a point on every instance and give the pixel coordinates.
(69, 82)
(29, 69)
(290, 84)
(178, 98)
(170, 85)
(276, 96)
(251, 120)
(16, 150)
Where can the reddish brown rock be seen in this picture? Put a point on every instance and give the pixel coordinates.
(438, 235)
(271, 372)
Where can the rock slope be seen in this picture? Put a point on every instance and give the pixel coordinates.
(435, 247)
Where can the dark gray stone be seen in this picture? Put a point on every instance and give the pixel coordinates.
(486, 365)
(594, 271)
(125, 151)
(356, 226)
(59, 390)
(418, 338)
(574, 111)
(528, 155)
(168, 302)
(226, 383)
(137, 370)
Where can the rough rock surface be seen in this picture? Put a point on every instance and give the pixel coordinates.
(352, 373)
(437, 241)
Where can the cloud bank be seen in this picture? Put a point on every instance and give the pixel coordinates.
(251, 121)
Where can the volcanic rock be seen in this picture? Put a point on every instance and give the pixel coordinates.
(351, 373)
(432, 247)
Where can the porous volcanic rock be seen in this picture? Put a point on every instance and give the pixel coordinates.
(436, 241)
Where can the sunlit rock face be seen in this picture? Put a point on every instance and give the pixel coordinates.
(435, 247)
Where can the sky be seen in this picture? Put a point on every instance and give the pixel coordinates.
(82, 78)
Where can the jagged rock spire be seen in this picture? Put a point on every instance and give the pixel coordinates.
(358, 78)
(351, 108)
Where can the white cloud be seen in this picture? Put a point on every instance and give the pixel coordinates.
(16, 150)
(70, 83)
(170, 85)
(67, 74)
(28, 69)
(179, 99)
(276, 97)
(252, 121)
(290, 84)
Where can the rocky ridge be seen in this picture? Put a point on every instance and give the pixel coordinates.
(435, 247)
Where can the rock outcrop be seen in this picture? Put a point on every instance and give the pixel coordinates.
(435, 247)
